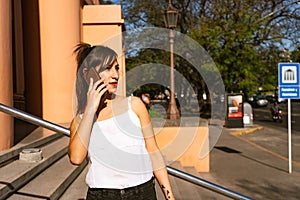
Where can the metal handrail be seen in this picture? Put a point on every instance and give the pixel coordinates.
(172, 171)
(34, 119)
(206, 184)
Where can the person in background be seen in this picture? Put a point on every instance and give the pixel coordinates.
(113, 132)
(146, 99)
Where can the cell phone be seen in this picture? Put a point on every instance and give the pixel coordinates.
(92, 73)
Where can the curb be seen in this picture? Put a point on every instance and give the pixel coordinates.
(246, 131)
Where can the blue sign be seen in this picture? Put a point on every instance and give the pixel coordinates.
(289, 92)
(288, 79)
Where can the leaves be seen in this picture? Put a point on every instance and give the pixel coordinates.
(244, 37)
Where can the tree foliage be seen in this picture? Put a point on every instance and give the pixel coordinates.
(244, 37)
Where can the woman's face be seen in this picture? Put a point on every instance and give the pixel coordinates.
(110, 77)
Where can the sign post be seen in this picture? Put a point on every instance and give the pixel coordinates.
(289, 87)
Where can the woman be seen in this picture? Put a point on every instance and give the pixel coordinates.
(114, 132)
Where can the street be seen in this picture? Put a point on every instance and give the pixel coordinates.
(277, 138)
(263, 116)
(255, 163)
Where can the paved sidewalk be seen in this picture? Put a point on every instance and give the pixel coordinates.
(253, 162)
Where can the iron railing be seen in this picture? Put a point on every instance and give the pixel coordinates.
(172, 171)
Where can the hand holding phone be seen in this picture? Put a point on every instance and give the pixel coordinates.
(92, 73)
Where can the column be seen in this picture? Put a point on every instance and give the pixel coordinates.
(59, 34)
(6, 83)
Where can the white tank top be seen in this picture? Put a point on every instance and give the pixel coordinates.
(117, 154)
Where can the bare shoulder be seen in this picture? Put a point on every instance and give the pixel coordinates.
(141, 111)
(136, 102)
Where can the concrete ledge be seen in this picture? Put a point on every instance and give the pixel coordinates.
(184, 144)
(245, 131)
(102, 14)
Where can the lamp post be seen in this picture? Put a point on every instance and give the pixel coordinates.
(170, 18)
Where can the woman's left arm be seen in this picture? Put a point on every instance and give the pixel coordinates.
(158, 164)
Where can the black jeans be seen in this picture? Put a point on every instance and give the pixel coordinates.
(145, 191)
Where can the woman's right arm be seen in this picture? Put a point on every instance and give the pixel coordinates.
(80, 131)
(80, 128)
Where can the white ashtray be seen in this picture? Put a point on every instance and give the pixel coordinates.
(31, 155)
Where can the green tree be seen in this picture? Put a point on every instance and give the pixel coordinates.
(242, 36)
(296, 55)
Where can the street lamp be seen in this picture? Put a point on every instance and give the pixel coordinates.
(170, 18)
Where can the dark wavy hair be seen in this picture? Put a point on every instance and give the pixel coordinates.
(88, 56)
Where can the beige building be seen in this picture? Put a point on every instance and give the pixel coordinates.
(37, 65)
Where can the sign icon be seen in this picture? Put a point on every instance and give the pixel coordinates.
(289, 74)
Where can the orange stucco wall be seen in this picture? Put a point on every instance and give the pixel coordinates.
(103, 25)
(188, 145)
(6, 85)
(59, 34)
